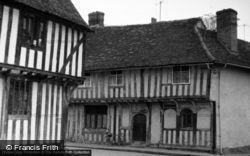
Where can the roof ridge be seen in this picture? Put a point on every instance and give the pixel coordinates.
(203, 44)
(146, 24)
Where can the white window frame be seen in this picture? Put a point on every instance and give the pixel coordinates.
(189, 76)
(114, 76)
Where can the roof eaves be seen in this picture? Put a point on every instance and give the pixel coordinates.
(140, 67)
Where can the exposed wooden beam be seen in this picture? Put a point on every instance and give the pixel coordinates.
(73, 51)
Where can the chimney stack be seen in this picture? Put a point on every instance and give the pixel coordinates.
(227, 28)
(96, 19)
(153, 20)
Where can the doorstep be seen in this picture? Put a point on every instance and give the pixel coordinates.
(147, 150)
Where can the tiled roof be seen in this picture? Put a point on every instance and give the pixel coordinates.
(223, 55)
(157, 44)
(62, 8)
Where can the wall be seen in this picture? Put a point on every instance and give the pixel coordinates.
(154, 82)
(60, 41)
(2, 100)
(155, 124)
(45, 120)
(235, 107)
(233, 115)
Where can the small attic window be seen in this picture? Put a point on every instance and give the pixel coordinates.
(32, 31)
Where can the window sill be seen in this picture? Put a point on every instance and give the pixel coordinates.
(186, 129)
(181, 83)
(94, 130)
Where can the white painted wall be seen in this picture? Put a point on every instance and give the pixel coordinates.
(155, 124)
(234, 99)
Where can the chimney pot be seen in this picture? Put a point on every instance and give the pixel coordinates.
(227, 28)
(96, 19)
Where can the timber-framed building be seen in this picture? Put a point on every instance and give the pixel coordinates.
(42, 45)
(166, 84)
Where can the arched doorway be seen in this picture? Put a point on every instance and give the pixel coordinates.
(139, 127)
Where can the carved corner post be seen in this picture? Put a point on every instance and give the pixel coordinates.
(68, 89)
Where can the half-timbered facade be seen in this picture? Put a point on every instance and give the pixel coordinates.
(42, 46)
(158, 85)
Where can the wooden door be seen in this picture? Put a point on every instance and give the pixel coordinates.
(139, 127)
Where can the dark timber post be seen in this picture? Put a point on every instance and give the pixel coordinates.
(213, 127)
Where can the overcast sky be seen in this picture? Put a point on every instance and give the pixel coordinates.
(127, 12)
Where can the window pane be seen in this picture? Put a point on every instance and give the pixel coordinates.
(119, 79)
(93, 121)
(176, 76)
(17, 105)
(88, 121)
(99, 121)
(181, 74)
(185, 77)
(104, 123)
(116, 78)
(98, 116)
(186, 118)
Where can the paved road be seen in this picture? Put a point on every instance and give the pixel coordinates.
(118, 153)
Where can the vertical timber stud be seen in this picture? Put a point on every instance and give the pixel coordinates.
(119, 124)
(65, 106)
(148, 140)
(194, 127)
(178, 124)
(142, 82)
(208, 82)
(5, 108)
(161, 123)
(213, 127)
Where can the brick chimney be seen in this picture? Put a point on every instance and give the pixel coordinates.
(227, 28)
(96, 19)
(153, 20)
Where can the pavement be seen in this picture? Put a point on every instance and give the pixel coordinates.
(147, 150)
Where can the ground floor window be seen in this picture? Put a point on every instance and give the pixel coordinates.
(96, 117)
(19, 99)
(187, 118)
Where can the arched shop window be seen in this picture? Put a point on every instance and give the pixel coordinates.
(187, 117)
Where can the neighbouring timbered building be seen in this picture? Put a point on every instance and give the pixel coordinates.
(42, 45)
(166, 84)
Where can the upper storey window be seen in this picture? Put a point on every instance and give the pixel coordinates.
(33, 31)
(181, 74)
(116, 78)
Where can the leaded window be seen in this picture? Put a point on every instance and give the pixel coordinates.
(96, 117)
(19, 99)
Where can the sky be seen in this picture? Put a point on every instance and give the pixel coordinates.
(127, 12)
